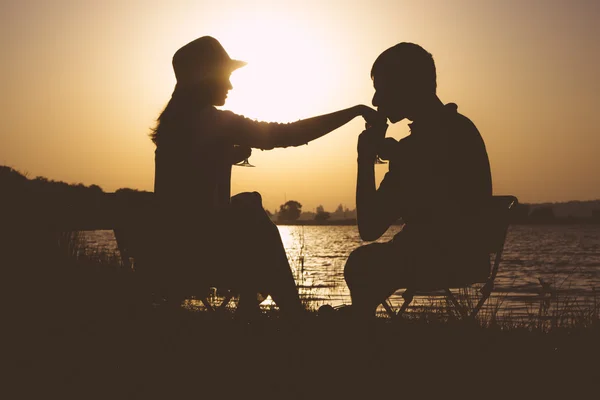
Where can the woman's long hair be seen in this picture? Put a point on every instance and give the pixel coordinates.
(174, 121)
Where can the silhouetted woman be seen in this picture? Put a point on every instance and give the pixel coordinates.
(228, 241)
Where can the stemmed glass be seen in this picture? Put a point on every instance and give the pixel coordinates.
(244, 163)
(378, 160)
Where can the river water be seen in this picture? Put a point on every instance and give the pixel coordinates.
(566, 257)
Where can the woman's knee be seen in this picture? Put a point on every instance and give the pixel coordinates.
(247, 200)
(247, 208)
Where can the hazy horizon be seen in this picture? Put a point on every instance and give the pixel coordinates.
(83, 83)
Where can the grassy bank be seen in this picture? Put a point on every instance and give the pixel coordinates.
(80, 325)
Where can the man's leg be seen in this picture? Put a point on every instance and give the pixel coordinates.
(373, 273)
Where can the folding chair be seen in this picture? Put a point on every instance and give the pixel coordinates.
(494, 225)
(139, 242)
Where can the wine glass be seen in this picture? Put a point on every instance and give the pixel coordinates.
(244, 163)
(379, 161)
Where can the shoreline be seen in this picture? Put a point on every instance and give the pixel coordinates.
(352, 222)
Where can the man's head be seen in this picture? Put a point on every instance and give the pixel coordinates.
(404, 78)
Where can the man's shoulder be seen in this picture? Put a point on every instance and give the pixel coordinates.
(462, 123)
(465, 139)
(462, 129)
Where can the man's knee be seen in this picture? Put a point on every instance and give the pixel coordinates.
(355, 267)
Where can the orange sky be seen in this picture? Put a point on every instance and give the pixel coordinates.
(83, 81)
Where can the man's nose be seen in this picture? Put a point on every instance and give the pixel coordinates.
(229, 85)
(375, 100)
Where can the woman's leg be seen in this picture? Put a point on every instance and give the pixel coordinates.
(263, 257)
(282, 286)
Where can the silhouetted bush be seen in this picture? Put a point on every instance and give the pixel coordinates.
(290, 211)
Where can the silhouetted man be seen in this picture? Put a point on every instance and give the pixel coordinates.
(439, 176)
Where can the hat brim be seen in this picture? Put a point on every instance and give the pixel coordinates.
(236, 64)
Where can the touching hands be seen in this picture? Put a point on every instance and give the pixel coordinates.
(372, 117)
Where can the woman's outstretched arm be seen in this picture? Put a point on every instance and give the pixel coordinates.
(267, 135)
(307, 130)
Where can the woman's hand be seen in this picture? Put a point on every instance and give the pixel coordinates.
(240, 153)
(244, 151)
(372, 117)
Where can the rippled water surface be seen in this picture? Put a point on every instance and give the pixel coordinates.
(566, 257)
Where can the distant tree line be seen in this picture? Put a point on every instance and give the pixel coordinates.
(291, 212)
(23, 198)
(322, 215)
(547, 214)
(43, 202)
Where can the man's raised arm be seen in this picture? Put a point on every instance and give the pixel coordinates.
(374, 208)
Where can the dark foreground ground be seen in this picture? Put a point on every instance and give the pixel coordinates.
(86, 348)
(78, 328)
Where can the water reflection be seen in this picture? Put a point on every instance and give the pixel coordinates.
(566, 257)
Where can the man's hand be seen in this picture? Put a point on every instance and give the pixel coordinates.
(372, 117)
(387, 148)
(369, 141)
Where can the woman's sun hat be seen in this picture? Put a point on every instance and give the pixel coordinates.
(201, 59)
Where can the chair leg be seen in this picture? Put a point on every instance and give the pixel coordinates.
(226, 301)
(207, 304)
(475, 311)
(486, 291)
(456, 304)
(408, 298)
(404, 307)
(388, 308)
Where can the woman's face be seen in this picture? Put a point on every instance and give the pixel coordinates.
(219, 89)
